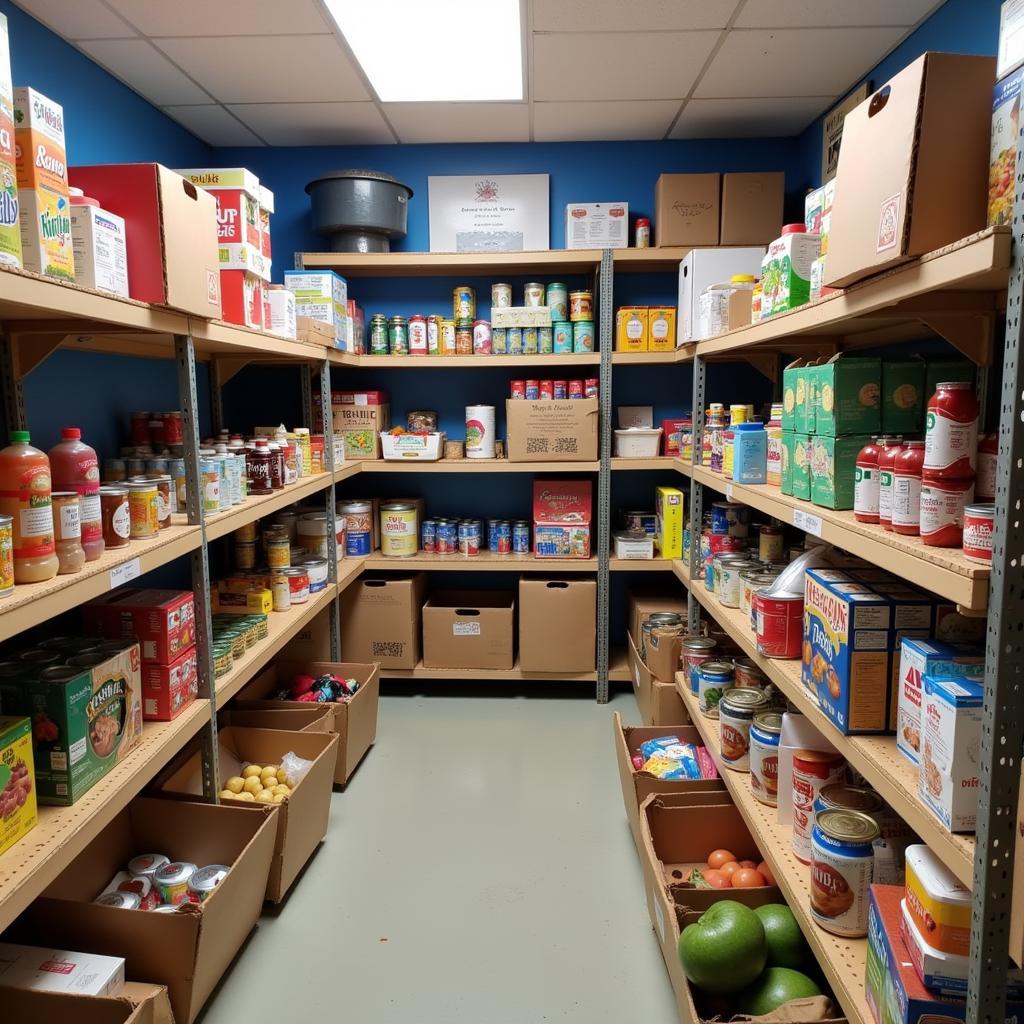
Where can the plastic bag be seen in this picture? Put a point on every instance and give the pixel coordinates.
(295, 768)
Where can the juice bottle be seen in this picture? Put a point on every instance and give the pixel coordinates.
(74, 467)
(25, 496)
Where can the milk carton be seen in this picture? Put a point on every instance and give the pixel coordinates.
(98, 241)
(10, 231)
(281, 303)
(321, 295)
(45, 214)
(786, 270)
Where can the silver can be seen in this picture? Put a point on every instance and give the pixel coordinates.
(501, 296)
(146, 865)
(533, 294)
(205, 880)
(120, 900)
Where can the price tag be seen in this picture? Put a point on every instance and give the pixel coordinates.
(123, 573)
(807, 522)
(728, 492)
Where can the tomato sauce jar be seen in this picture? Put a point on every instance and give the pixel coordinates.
(942, 509)
(906, 489)
(979, 527)
(865, 483)
(951, 430)
(988, 453)
(890, 449)
(780, 624)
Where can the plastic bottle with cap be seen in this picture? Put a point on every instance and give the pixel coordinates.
(25, 497)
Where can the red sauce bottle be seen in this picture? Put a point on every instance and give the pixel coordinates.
(891, 447)
(906, 489)
(865, 486)
(951, 431)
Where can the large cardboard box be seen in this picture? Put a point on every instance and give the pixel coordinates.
(686, 209)
(170, 229)
(644, 603)
(301, 820)
(557, 624)
(136, 1003)
(311, 718)
(551, 431)
(469, 629)
(354, 721)
(360, 417)
(380, 619)
(704, 267)
(913, 167)
(637, 786)
(658, 700)
(752, 208)
(187, 951)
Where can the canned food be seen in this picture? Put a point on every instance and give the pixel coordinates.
(532, 390)
(378, 335)
(842, 857)
(463, 302)
(769, 543)
(428, 534)
(575, 388)
(358, 536)
(545, 341)
(501, 296)
(581, 305)
(433, 335)
(279, 552)
(482, 337)
(714, 678)
(499, 341)
(730, 517)
(399, 532)
(280, 592)
(751, 583)
(447, 536)
(316, 569)
(748, 674)
(146, 865)
(499, 536)
(398, 336)
(533, 294)
(417, 335)
(143, 509)
(727, 581)
(514, 341)
(591, 387)
(838, 796)
(205, 880)
(120, 900)
(561, 390)
(298, 583)
(765, 732)
(736, 712)
(557, 300)
(447, 337)
(531, 341)
(209, 482)
(562, 336)
(521, 537)
(469, 537)
(517, 389)
(779, 624)
(979, 527)
(583, 336)
(164, 909)
(812, 771)
(695, 650)
(547, 389)
(172, 881)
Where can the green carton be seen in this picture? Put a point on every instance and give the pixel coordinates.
(802, 466)
(903, 397)
(847, 396)
(938, 371)
(832, 464)
(790, 378)
(788, 452)
(806, 398)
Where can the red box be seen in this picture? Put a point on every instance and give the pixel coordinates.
(168, 689)
(237, 217)
(561, 518)
(242, 298)
(163, 621)
(670, 436)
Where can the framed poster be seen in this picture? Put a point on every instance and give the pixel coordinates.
(488, 212)
(832, 131)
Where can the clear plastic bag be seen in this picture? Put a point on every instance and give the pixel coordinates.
(295, 768)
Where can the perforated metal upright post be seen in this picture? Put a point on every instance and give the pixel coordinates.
(185, 360)
(15, 417)
(604, 476)
(696, 488)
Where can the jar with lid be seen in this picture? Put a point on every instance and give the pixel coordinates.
(889, 449)
(276, 465)
(116, 516)
(25, 496)
(67, 531)
(642, 234)
(865, 483)
(74, 467)
(398, 336)
(463, 337)
(951, 430)
(258, 468)
(417, 335)
(906, 489)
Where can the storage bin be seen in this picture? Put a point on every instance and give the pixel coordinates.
(638, 442)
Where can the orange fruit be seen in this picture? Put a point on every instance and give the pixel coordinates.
(729, 868)
(766, 873)
(748, 864)
(716, 879)
(747, 878)
(719, 857)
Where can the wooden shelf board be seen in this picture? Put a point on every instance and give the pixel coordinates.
(640, 564)
(347, 469)
(484, 562)
(29, 866)
(680, 355)
(661, 259)
(439, 264)
(349, 570)
(658, 462)
(419, 672)
(618, 666)
(875, 757)
(257, 506)
(217, 338)
(464, 362)
(842, 960)
(479, 466)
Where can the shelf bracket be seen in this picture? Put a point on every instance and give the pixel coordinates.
(227, 367)
(30, 350)
(766, 364)
(969, 335)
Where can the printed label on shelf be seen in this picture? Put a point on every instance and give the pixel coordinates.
(728, 492)
(123, 573)
(465, 629)
(807, 522)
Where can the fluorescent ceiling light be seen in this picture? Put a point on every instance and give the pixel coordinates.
(440, 50)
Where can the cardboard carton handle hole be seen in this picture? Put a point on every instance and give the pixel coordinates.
(190, 189)
(375, 583)
(467, 611)
(557, 585)
(676, 873)
(879, 100)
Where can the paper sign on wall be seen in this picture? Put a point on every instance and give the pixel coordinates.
(488, 212)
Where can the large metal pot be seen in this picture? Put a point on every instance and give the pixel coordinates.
(359, 211)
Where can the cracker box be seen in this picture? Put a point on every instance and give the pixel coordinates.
(163, 621)
(802, 454)
(10, 230)
(661, 329)
(18, 814)
(242, 298)
(321, 295)
(668, 508)
(168, 689)
(951, 715)
(903, 397)
(631, 329)
(833, 460)
(847, 396)
(45, 209)
(562, 511)
(360, 417)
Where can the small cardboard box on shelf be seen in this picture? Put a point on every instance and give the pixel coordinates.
(135, 1003)
(552, 431)
(658, 700)
(846, 396)
(686, 209)
(751, 207)
(360, 417)
(645, 602)
(469, 629)
(163, 621)
(557, 624)
(168, 689)
(380, 619)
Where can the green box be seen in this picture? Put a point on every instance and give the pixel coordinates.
(788, 446)
(790, 375)
(806, 399)
(832, 464)
(903, 398)
(802, 466)
(938, 371)
(847, 396)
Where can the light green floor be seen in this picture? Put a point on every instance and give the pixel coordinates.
(478, 869)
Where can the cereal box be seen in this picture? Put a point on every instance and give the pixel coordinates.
(1003, 147)
(45, 210)
(562, 511)
(17, 781)
(951, 715)
(168, 689)
(668, 508)
(10, 230)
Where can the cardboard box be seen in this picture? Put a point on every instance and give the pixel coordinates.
(786, 271)
(637, 786)
(701, 268)
(802, 454)
(380, 619)
(557, 624)
(168, 689)
(644, 603)
(686, 209)
(290, 718)
(354, 720)
(788, 461)
(18, 810)
(469, 629)
(917, 153)
(1002, 167)
(561, 518)
(360, 417)
(903, 398)
(171, 231)
(282, 311)
(559, 431)
(100, 250)
(596, 225)
(631, 329)
(187, 951)
(321, 295)
(668, 507)
(136, 1003)
(45, 969)
(847, 396)
(163, 621)
(832, 469)
(242, 298)
(806, 413)
(793, 392)
(658, 700)
(752, 207)
(302, 818)
(938, 371)
(314, 332)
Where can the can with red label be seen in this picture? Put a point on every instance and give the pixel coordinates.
(951, 430)
(591, 386)
(942, 509)
(547, 389)
(988, 453)
(842, 863)
(906, 489)
(780, 624)
(765, 733)
(736, 712)
(561, 389)
(979, 527)
(812, 771)
(532, 390)
(481, 337)
(518, 388)
(417, 335)
(575, 389)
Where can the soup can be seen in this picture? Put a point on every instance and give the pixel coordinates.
(280, 592)
(428, 536)
(521, 537)
(499, 536)
(146, 865)
(469, 537)
(714, 678)
(779, 620)
(358, 536)
(499, 341)
(316, 569)
(447, 536)
(748, 674)
(143, 508)
(842, 860)
(838, 796)
(736, 712)
(120, 900)
(694, 652)
(583, 336)
(172, 881)
(545, 342)
(378, 335)
(501, 296)
(298, 584)
(813, 770)
(562, 336)
(463, 302)
(765, 731)
(205, 880)
(557, 300)
(399, 532)
(751, 582)
(514, 341)
(979, 526)
(730, 517)
(770, 543)
(533, 294)
(531, 341)
(581, 305)
(482, 337)
(728, 583)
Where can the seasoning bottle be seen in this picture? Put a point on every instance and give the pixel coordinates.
(74, 467)
(67, 531)
(25, 496)
(906, 489)
(643, 233)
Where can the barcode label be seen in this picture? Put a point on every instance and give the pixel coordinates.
(123, 573)
(807, 522)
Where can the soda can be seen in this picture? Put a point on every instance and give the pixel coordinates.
(429, 535)
(561, 389)
(591, 387)
(545, 341)
(514, 341)
(447, 537)
(469, 537)
(521, 537)
(499, 536)
(547, 389)
(518, 388)
(532, 390)
(575, 389)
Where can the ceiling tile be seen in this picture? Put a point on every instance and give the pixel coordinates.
(82, 19)
(748, 118)
(258, 69)
(833, 13)
(145, 69)
(595, 122)
(213, 124)
(630, 15)
(222, 18)
(794, 62)
(460, 122)
(604, 67)
(315, 124)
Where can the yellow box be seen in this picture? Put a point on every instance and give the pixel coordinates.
(631, 329)
(252, 602)
(661, 329)
(18, 814)
(668, 507)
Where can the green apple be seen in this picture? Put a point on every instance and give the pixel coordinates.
(777, 985)
(786, 944)
(724, 950)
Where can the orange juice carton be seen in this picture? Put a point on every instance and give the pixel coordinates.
(41, 158)
(10, 230)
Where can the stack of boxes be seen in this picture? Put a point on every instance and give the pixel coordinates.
(321, 306)
(817, 220)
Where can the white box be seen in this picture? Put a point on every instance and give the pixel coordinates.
(596, 225)
(950, 747)
(321, 295)
(412, 447)
(703, 267)
(60, 970)
(633, 546)
(101, 253)
(211, 178)
(282, 312)
(521, 316)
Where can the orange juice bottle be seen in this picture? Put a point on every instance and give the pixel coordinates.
(25, 497)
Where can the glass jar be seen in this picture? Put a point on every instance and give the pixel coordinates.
(67, 531)
(116, 516)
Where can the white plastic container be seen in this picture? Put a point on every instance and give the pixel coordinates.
(637, 442)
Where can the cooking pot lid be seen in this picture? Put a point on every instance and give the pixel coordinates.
(359, 173)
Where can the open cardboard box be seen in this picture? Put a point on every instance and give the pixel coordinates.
(136, 1003)
(307, 718)
(637, 786)
(645, 602)
(659, 702)
(188, 951)
(355, 721)
(302, 818)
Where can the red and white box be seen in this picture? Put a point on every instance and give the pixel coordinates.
(242, 298)
(266, 209)
(168, 689)
(163, 621)
(562, 511)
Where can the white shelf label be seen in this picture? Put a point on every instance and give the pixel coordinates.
(728, 492)
(807, 522)
(123, 573)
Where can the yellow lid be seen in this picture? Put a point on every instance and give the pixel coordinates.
(742, 279)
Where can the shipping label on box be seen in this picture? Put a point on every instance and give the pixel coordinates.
(847, 396)
(552, 431)
(596, 225)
